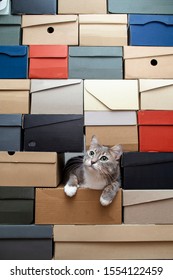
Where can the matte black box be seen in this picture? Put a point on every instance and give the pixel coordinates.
(147, 170)
(34, 7)
(26, 242)
(17, 205)
(58, 133)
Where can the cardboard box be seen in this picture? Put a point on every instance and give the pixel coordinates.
(53, 133)
(29, 169)
(56, 96)
(5, 7)
(150, 30)
(148, 62)
(156, 94)
(125, 135)
(49, 62)
(53, 206)
(26, 242)
(11, 132)
(10, 27)
(140, 7)
(82, 7)
(148, 206)
(144, 170)
(15, 62)
(103, 30)
(111, 95)
(17, 205)
(14, 96)
(32, 7)
(155, 131)
(95, 63)
(113, 242)
(50, 29)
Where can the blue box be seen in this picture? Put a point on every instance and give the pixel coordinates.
(13, 62)
(151, 30)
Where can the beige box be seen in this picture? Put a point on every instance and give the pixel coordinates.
(103, 30)
(53, 206)
(156, 94)
(111, 95)
(30, 169)
(148, 206)
(148, 62)
(126, 135)
(82, 7)
(50, 29)
(56, 96)
(113, 242)
(14, 96)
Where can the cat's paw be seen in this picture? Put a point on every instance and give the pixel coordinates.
(105, 202)
(70, 190)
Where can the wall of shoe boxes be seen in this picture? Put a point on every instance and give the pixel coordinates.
(70, 69)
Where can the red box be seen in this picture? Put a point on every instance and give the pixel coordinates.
(155, 131)
(48, 62)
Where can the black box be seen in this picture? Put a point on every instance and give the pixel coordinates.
(34, 7)
(147, 170)
(58, 133)
(26, 242)
(17, 205)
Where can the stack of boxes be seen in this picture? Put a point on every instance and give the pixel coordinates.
(71, 69)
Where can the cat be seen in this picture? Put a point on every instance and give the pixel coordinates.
(98, 169)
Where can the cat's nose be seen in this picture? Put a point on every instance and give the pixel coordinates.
(93, 161)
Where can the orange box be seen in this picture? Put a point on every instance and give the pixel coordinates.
(48, 62)
(155, 131)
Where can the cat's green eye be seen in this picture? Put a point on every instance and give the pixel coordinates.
(91, 153)
(104, 158)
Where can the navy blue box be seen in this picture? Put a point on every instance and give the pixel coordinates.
(13, 62)
(150, 30)
(34, 7)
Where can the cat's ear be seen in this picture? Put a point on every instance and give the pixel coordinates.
(117, 150)
(94, 141)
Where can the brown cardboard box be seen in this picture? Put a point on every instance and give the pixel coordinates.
(53, 206)
(29, 169)
(82, 7)
(113, 242)
(148, 62)
(148, 206)
(50, 29)
(126, 135)
(14, 96)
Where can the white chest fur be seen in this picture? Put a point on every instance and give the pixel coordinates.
(93, 181)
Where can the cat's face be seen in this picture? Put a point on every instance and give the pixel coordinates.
(102, 159)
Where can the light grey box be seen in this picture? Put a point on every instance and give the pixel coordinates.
(10, 30)
(95, 63)
(10, 132)
(140, 6)
(5, 7)
(56, 96)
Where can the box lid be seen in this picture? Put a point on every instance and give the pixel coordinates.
(14, 51)
(34, 7)
(131, 52)
(135, 197)
(103, 19)
(42, 85)
(34, 20)
(145, 19)
(48, 51)
(36, 120)
(14, 84)
(149, 84)
(112, 233)
(26, 231)
(155, 117)
(16, 193)
(130, 159)
(95, 51)
(10, 120)
(10, 20)
(28, 157)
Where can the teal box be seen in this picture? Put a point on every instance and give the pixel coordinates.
(95, 63)
(140, 7)
(16, 205)
(10, 30)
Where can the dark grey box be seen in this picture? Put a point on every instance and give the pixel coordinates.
(10, 132)
(34, 7)
(10, 30)
(26, 242)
